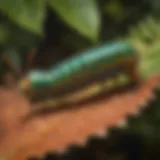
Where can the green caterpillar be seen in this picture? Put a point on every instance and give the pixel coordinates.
(82, 74)
(92, 66)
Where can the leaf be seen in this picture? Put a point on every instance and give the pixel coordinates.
(82, 15)
(150, 62)
(29, 14)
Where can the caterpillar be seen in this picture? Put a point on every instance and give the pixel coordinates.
(86, 69)
(85, 74)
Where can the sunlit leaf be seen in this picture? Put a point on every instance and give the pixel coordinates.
(29, 14)
(82, 15)
(150, 63)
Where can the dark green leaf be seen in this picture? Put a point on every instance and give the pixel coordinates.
(83, 15)
(29, 14)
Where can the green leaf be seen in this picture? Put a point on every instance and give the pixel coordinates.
(150, 61)
(29, 14)
(82, 15)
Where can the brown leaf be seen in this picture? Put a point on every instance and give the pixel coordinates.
(55, 131)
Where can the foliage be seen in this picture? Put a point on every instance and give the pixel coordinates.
(146, 124)
(26, 13)
(81, 14)
(30, 14)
